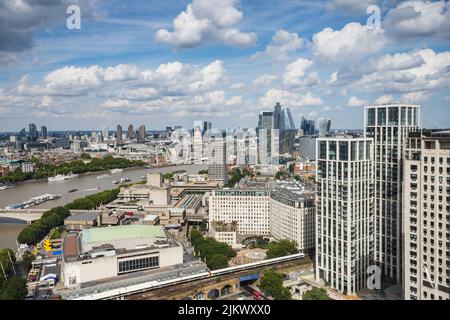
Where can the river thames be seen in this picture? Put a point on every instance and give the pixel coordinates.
(84, 185)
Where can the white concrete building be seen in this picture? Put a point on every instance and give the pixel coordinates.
(344, 225)
(426, 208)
(249, 208)
(389, 126)
(276, 212)
(101, 253)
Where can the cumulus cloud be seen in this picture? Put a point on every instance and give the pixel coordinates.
(282, 44)
(295, 74)
(264, 80)
(237, 86)
(351, 42)
(127, 88)
(384, 99)
(419, 19)
(207, 20)
(20, 19)
(415, 97)
(418, 70)
(355, 102)
(290, 99)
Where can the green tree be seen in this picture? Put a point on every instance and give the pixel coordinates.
(217, 261)
(168, 176)
(281, 248)
(5, 260)
(272, 284)
(203, 172)
(316, 294)
(14, 289)
(27, 259)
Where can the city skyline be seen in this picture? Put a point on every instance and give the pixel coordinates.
(321, 59)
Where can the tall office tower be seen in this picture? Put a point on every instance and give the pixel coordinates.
(344, 225)
(44, 132)
(389, 126)
(105, 132)
(141, 133)
(265, 126)
(324, 127)
(206, 126)
(119, 135)
(426, 216)
(217, 160)
(33, 131)
(307, 126)
(130, 132)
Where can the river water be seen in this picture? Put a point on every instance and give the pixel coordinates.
(85, 185)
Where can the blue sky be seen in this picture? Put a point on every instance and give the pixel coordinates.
(162, 64)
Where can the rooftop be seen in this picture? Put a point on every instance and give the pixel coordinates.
(122, 232)
(83, 217)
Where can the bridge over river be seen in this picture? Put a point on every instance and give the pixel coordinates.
(30, 215)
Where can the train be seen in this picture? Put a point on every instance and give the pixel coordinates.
(142, 287)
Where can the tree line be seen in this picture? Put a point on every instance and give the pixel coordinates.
(45, 170)
(54, 218)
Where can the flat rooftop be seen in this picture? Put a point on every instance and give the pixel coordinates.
(121, 233)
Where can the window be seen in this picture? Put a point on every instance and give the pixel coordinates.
(138, 264)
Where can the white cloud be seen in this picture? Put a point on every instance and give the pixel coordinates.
(415, 97)
(289, 99)
(421, 70)
(207, 20)
(419, 19)
(355, 102)
(237, 86)
(295, 74)
(282, 44)
(264, 80)
(384, 99)
(352, 41)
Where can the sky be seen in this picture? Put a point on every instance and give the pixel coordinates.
(167, 63)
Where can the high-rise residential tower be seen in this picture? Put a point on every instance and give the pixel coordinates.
(141, 133)
(344, 212)
(426, 216)
(119, 135)
(44, 132)
(130, 132)
(389, 126)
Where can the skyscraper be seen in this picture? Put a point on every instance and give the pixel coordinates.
(344, 225)
(105, 132)
(307, 126)
(389, 126)
(324, 127)
(141, 133)
(217, 160)
(266, 124)
(44, 132)
(426, 216)
(33, 133)
(119, 135)
(130, 132)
